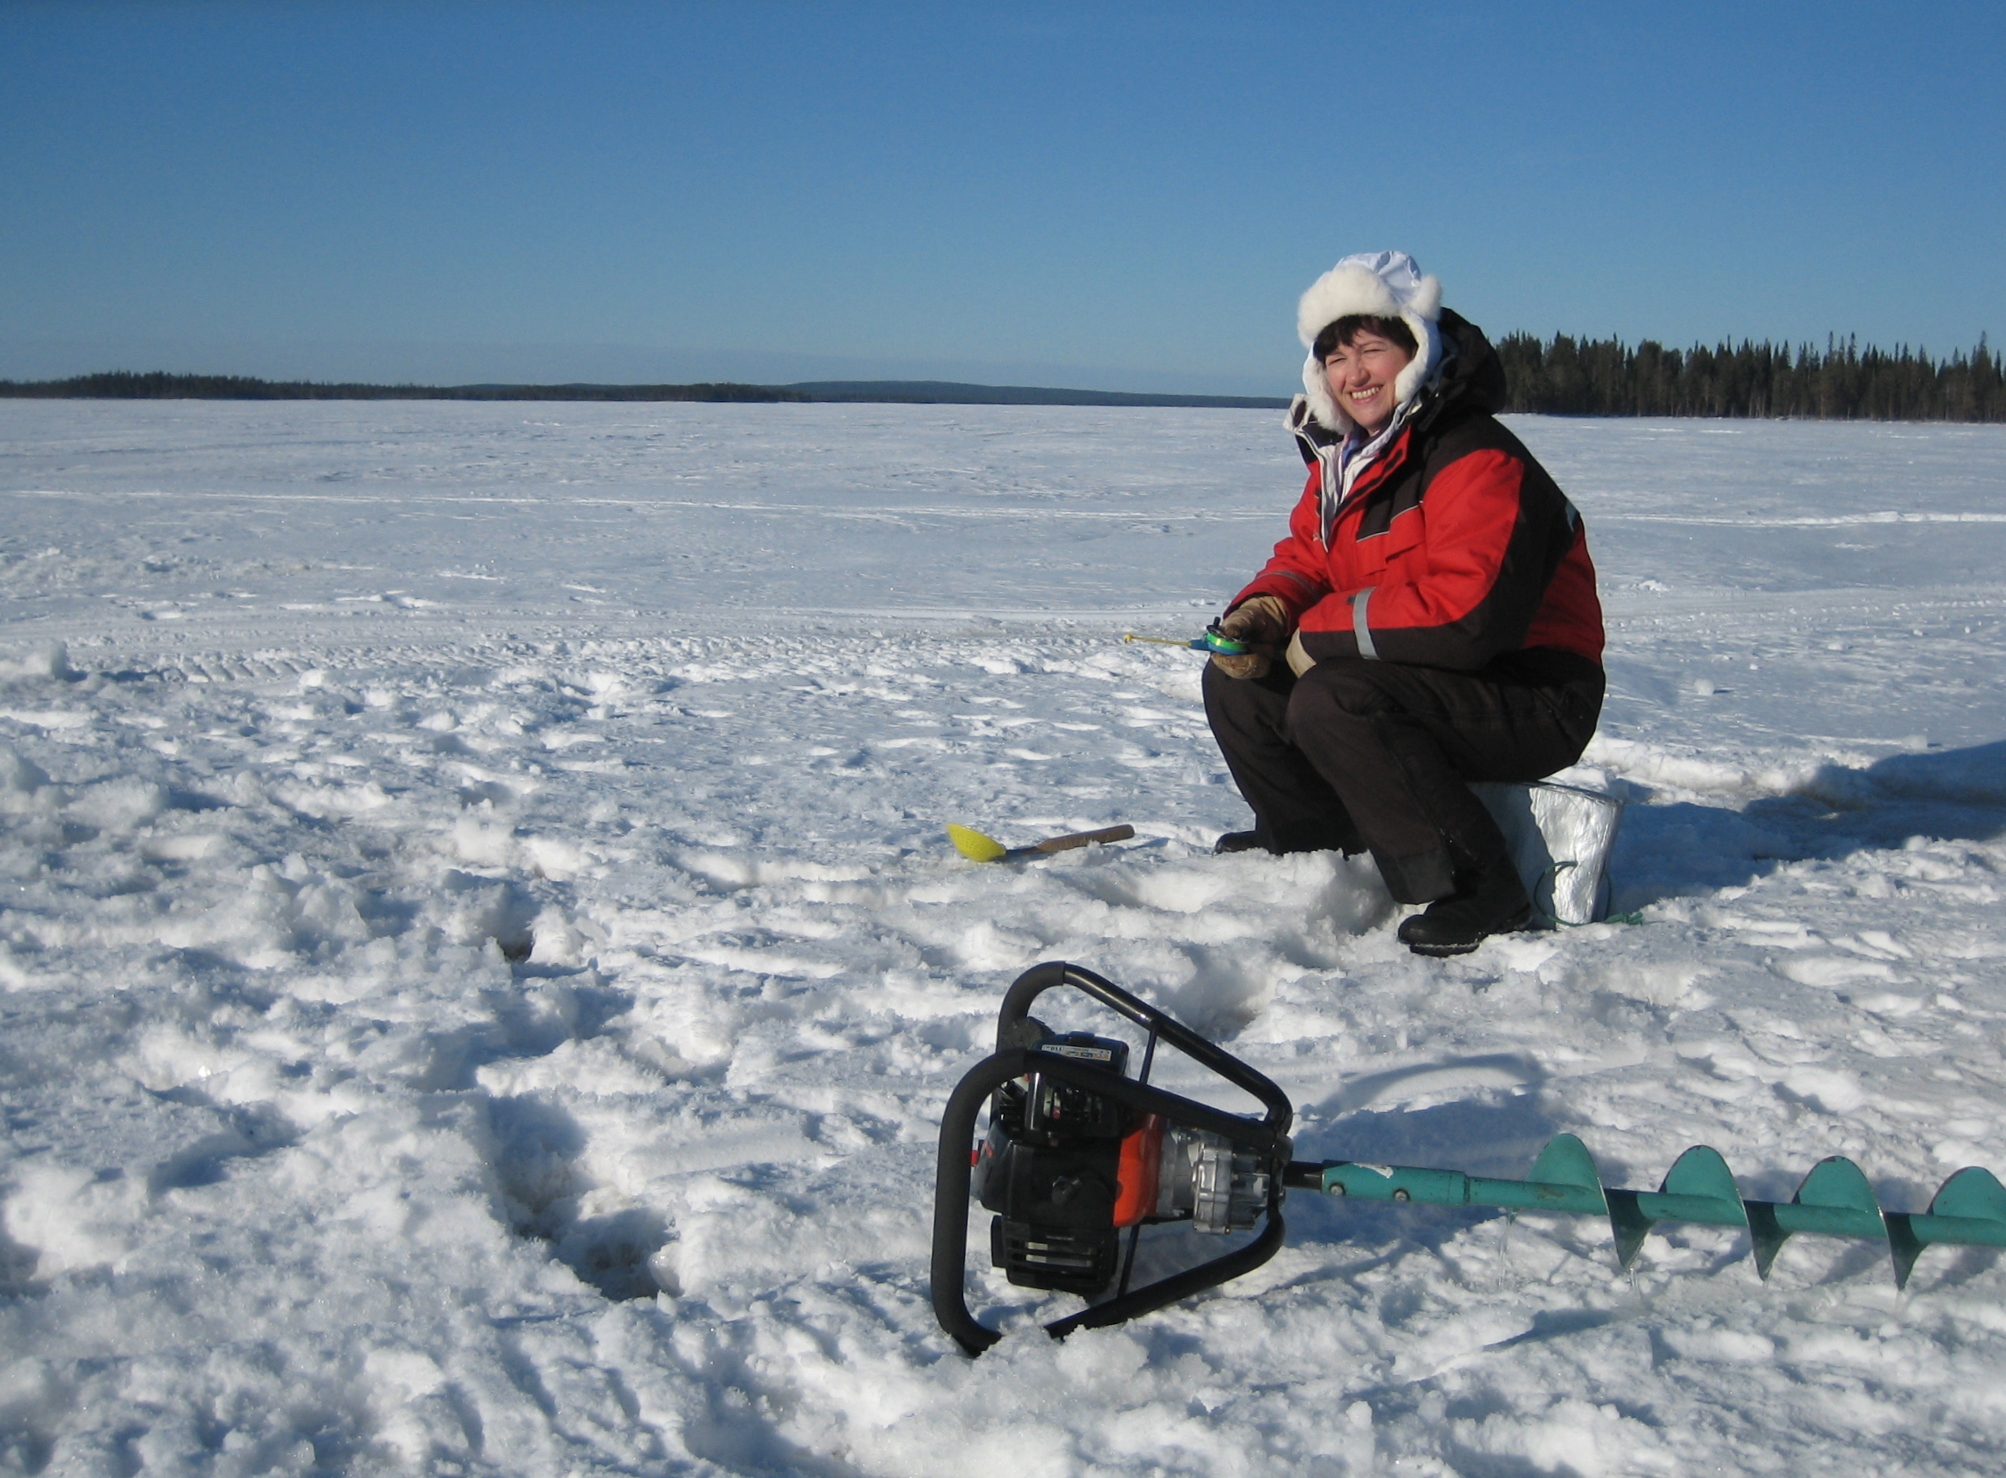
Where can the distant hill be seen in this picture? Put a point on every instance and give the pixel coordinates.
(124, 385)
(951, 392)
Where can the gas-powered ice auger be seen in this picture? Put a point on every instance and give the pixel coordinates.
(1078, 1152)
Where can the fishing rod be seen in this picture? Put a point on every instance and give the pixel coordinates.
(1214, 640)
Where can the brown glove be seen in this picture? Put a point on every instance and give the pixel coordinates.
(1262, 623)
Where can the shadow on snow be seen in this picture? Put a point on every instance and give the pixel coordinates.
(1682, 848)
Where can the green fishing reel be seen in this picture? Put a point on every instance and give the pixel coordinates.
(1216, 640)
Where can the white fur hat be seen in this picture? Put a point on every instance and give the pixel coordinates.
(1383, 284)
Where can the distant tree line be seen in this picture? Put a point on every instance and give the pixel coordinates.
(1558, 376)
(124, 385)
(1606, 377)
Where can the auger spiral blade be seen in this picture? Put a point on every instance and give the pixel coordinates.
(1834, 1200)
(1698, 1187)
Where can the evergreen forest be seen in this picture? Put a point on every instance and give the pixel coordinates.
(1566, 376)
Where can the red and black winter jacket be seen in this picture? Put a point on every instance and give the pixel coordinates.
(1455, 548)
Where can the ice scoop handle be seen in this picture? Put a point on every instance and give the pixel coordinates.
(1086, 839)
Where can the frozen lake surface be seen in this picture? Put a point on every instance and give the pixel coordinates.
(480, 968)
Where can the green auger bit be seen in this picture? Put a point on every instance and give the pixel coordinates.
(1833, 1201)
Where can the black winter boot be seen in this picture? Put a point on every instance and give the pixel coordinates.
(1489, 900)
(1239, 841)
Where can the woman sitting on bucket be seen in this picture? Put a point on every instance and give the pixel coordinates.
(1433, 607)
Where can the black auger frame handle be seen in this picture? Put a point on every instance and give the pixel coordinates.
(1266, 1136)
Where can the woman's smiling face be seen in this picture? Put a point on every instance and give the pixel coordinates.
(1361, 375)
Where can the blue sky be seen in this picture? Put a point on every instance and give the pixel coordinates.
(1121, 195)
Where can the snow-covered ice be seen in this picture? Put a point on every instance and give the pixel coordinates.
(480, 967)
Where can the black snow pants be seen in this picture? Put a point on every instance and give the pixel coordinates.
(1359, 755)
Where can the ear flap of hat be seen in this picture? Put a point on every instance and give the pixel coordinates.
(1322, 404)
(1427, 355)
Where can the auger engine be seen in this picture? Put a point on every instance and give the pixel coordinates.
(1067, 1169)
(1079, 1156)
